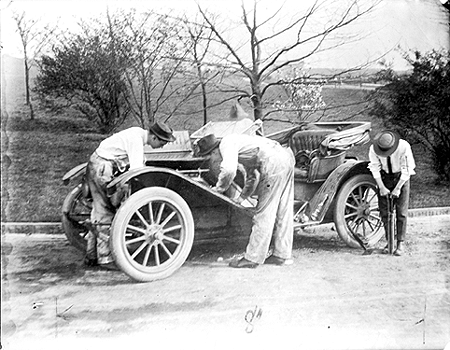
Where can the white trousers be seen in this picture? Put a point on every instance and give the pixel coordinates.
(274, 211)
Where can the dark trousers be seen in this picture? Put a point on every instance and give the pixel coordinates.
(401, 204)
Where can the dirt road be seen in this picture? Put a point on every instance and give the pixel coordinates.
(333, 297)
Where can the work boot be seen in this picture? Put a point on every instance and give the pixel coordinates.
(243, 263)
(109, 266)
(385, 249)
(90, 261)
(400, 249)
(91, 250)
(275, 260)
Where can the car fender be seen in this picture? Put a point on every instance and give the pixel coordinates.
(322, 200)
(148, 176)
(74, 173)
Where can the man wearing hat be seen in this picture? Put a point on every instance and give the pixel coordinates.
(392, 164)
(113, 156)
(274, 212)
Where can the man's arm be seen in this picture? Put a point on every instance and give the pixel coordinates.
(251, 181)
(134, 144)
(375, 167)
(228, 167)
(384, 191)
(407, 169)
(398, 187)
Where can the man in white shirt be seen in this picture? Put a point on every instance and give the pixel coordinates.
(392, 164)
(274, 165)
(113, 156)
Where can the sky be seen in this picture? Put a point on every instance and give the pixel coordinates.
(409, 23)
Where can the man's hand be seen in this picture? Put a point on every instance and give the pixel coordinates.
(396, 192)
(384, 191)
(398, 188)
(249, 203)
(238, 200)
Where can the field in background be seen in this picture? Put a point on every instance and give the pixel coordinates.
(36, 154)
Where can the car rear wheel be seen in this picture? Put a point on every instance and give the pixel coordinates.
(152, 234)
(76, 210)
(356, 212)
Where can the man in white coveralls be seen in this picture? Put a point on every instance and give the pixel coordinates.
(275, 191)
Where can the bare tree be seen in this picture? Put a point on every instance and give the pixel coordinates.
(198, 55)
(156, 63)
(275, 43)
(34, 39)
(200, 37)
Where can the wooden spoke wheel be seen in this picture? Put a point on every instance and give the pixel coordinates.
(152, 234)
(356, 212)
(76, 210)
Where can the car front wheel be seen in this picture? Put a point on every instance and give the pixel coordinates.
(152, 234)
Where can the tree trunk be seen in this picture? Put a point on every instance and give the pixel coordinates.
(27, 87)
(27, 81)
(256, 100)
(205, 114)
(31, 111)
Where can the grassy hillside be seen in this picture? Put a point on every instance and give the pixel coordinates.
(36, 154)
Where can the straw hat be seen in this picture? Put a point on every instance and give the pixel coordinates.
(385, 143)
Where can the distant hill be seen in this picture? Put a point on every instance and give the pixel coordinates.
(332, 71)
(14, 67)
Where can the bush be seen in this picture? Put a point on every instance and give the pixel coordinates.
(417, 105)
(87, 74)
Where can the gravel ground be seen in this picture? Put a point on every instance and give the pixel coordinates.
(332, 297)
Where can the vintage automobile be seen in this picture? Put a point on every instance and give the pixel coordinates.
(162, 205)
